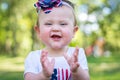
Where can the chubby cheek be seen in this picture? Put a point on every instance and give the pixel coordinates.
(44, 34)
(68, 35)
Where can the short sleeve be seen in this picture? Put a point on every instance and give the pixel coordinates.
(82, 59)
(30, 63)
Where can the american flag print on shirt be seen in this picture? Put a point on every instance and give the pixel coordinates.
(61, 74)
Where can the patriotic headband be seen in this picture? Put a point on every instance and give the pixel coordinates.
(47, 5)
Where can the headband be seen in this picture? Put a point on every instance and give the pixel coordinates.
(47, 5)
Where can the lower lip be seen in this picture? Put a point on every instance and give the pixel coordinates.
(56, 39)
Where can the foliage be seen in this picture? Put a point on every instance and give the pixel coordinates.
(16, 26)
(17, 19)
(107, 14)
(77, 41)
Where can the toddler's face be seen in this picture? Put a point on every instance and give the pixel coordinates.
(57, 27)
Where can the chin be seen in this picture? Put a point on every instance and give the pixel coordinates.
(57, 47)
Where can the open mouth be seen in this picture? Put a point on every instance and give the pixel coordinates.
(56, 37)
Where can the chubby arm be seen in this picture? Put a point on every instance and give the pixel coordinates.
(46, 71)
(76, 70)
(33, 76)
(80, 74)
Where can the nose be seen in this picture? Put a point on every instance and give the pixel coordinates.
(55, 28)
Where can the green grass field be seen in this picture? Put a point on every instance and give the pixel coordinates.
(101, 68)
(11, 68)
(104, 68)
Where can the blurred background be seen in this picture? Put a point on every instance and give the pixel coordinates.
(99, 35)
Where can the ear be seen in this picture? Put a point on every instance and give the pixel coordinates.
(36, 28)
(75, 29)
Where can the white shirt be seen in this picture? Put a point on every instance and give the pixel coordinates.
(61, 67)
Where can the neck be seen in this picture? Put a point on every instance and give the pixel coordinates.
(56, 52)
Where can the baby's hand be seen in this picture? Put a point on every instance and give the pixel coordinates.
(47, 65)
(73, 61)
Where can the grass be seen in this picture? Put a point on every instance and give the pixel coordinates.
(11, 68)
(102, 68)
(11, 75)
